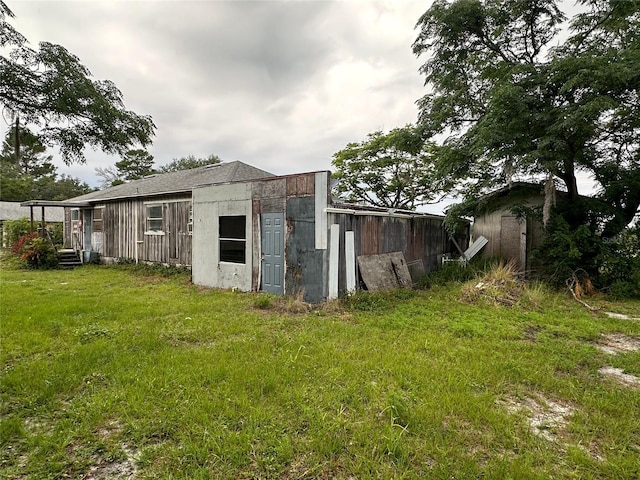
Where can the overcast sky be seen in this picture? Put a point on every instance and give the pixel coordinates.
(279, 85)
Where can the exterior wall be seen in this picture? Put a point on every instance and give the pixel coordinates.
(510, 237)
(295, 197)
(303, 200)
(420, 239)
(208, 205)
(124, 233)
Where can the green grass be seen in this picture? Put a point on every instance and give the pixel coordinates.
(108, 370)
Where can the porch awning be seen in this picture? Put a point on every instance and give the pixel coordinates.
(55, 203)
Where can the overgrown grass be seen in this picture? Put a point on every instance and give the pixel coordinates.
(108, 371)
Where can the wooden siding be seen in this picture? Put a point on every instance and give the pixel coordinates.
(301, 185)
(124, 226)
(418, 238)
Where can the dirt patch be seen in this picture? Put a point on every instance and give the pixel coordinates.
(547, 418)
(124, 469)
(620, 316)
(625, 379)
(615, 343)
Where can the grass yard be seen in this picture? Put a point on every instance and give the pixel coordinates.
(110, 374)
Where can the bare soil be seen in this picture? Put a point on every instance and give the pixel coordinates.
(624, 379)
(615, 343)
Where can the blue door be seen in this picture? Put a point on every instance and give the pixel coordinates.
(272, 252)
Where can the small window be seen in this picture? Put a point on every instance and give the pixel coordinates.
(233, 239)
(97, 219)
(154, 218)
(76, 224)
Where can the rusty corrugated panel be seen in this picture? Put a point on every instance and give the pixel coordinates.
(305, 266)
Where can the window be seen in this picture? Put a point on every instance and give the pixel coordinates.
(233, 239)
(76, 224)
(97, 219)
(154, 218)
(190, 224)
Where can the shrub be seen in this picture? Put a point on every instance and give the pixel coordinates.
(611, 265)
(57, 234)
(15, 229)
(39, 253)
(619, 265)
(18, 247)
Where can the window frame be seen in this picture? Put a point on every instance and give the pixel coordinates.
(100, 220)
(149, 229)
(227, 237)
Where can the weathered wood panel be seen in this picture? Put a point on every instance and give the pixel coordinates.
(301, 185)
(124, 226)
(419, 238)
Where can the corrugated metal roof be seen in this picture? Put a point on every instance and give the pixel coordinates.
(177, 182)
(13, 211)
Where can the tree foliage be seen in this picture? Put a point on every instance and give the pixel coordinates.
(393, 170)
(134, 165)
(189, 162)
(32, 174)
(516, 101)
(51, 90)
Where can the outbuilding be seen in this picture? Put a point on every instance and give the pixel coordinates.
(285, 235)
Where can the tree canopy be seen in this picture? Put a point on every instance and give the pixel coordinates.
(32, 174)
(393, 170)
(517, 101)
(49, 89)
(189, 162)
(135, 164)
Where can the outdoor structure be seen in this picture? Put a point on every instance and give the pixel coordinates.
(284, 235)
(144, 220)
(15, 211)
(510, 219)
(240, 227)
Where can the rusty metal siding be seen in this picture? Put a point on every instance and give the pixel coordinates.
(418, 238)
(305, 265)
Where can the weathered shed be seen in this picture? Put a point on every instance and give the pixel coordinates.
(284, 235)
(510, 218)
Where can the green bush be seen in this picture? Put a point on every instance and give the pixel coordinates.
(613, 266)
(619, 265)
(39, 253)
(15, 229)
(57, 234)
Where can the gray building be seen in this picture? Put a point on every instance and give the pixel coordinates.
(240, 227)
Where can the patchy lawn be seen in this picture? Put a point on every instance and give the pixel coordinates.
(109, 374)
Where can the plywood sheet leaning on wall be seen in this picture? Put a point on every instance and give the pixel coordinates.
(386, 271)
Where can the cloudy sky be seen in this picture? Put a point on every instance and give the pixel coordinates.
(279, 85)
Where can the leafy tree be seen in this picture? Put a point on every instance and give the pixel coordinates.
(31, 174)
(393, 170)
(60, 188)
(516, 100)
(189, 162)
(135, 165)
(32, 158)
(52, 90)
